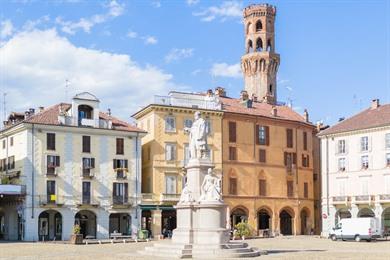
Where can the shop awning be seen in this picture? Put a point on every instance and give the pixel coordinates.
(154, 207)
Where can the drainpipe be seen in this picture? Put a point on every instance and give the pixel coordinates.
(327, 175)
(136, 174)
(32, 171)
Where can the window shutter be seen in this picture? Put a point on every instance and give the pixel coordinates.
(114, 164)
(303, 161)
(57, 161)
(285, 158)
(232, 132)
(93, 162)
(257, 134)
(308, 161)
(294, 158)
(267, 135)
(126, 164)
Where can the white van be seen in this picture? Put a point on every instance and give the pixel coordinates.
(357, 229)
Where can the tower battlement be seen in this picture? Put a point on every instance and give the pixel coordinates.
(258, 10)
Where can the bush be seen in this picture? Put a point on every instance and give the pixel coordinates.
(243, 229)
(76, 229)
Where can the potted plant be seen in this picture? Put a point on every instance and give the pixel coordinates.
(76, 238)
(243, 230)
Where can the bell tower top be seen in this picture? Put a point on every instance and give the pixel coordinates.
(260, 62)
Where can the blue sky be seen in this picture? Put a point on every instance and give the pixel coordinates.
(335, 55)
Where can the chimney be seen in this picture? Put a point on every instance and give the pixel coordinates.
(109, 111)
(209, 93)
(274, 111)
(341, 119)
(26, 114)
(32, 111)
(41, 109)
(306, 116)
(254, 97)
(375, 103)
(244, 95)
(220, 92)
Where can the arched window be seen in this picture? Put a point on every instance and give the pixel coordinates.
(259, 26)
(270, 89)
(250, 47)
(259, 45)
(269, 46)
(249, 28)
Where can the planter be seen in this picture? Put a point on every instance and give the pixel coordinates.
(76, 239)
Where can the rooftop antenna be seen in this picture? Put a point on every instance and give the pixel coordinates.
(66, 89)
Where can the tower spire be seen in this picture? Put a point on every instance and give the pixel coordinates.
(260, 63)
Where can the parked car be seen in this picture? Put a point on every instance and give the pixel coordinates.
(356, 229)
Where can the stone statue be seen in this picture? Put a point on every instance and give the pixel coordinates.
(211, 188)
(198, 137)
(186, 195)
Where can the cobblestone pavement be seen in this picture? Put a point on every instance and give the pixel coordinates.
(300, 247)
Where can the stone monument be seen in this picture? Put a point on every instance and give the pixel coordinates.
(201, 213)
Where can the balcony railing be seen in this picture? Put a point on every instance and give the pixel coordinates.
(51, 171)
(340, 199)
(121, 174)
(51, 200)
(121, 202)
(363, 199)
(99, 123)
(384, 198)
(87, 201)
(170, 197)
(200, 102)
(88, 173)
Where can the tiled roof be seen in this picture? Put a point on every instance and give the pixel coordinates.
(49, 116)
(260, 109)
(368, 118)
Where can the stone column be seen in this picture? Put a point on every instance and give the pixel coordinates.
(102, 224)
(156, 222)
(296, 224)
(354, 211)
(67, 223)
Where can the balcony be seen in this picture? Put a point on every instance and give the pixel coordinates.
(87, 173)
(363, 199)
(121, 202)
(121, 173)
(169, 197)
(291, 169)
(340, 200)
(99, 123)
(182, 100)
(149, 197)
(51, 171)
(12, 190)
(87, 201)
(52, 200)
(384, 198)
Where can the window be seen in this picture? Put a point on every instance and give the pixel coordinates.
(262, 135)
(170, 184)
(341, 164)
(86, 144)
(289, 135)
(11, 162)
(50, 141)
(341, 146)
(259, 26)
(170, 152)
(3, 164)
(86, 192)
(232, 153)
(233, 186)
(120, 164)
(262, 188)
(315, 177)
(262, 156)
(88, 164)
(188, 123)
(12, 141)
(290, 159)
(170, 124)
(364, 161)
(305, 160)
(305, 141)
(232, 132)
(208, 126)
(3, 143)
(290, 188)
(387, 141)
(120, 146)
(53, 161)
(388, 159)
(51, 191)
(364, 143)
(305, 190)
(120, 193)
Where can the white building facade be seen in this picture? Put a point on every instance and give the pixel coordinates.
(355, 165)
(73, 164)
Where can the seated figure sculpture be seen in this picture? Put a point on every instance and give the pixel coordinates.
(211, 188)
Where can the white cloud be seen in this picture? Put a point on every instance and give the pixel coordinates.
(156, 4)
(33, 24)
(132, 34)
(196, 72)
(227, 10)
(192, 2)
(35, 65)
(86, 24)
(150, 40)
(178, 54)
(6, 29)
(226, 70)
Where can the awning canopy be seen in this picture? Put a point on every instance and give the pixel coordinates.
(154, 207)
(12, 189)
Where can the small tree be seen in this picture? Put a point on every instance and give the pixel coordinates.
(243, 229)
(76, 229)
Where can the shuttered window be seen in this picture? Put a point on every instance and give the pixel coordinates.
(120, 163)
(306, 190)
(50, 141)
(290, 188)
(262, 156)
(233, 186)
(170, 152)
(262, 188)
(232, 132)
(86, 144)
(289, 136)
(120, 146)
(232, 153)
(262, 135)
(305, 160)
(305, 141)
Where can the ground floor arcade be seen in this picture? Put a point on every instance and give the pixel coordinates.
(158, 220)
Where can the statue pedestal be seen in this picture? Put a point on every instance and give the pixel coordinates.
(201, 225)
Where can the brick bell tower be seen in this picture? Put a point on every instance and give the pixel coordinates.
(260, 63)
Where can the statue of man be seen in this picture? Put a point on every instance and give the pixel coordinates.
(198, 137)
(210, 188)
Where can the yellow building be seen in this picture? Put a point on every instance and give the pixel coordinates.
(69, 164)
(165, 152)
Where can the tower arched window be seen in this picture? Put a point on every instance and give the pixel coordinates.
(270, 89)
(259, 45)
(249, 28)
(250, 47)
(269, 46)
(259, 26)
